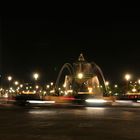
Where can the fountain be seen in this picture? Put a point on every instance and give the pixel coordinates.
(83, 78)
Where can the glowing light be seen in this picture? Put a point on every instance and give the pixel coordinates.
(9, 78)
(80, 75)
(27, 92)
(5, 95)
(64, 85)
(127, 77)
(34, 91)
(36, 76)
(129, 93)
(1, 89)
(66, 93)
(21, 85)
(116, 94)
(134, 90)
(115, 86)
(95, 108)
(51, 83)
(106, 83)
(122, 101)
(96, 101)
(36, 86)
(70, 91)
(61, 91)
(48, 86)
(16, 82)
(52, 91)
(139, 81)
(89, 89)
(39, 102)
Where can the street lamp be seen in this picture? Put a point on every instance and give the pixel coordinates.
(21, 86)
(115, 86)
(51, 83)
(107, 83)
(9, 78)
(36, 86)
(16, 83)
(127, 78)
(35, 76)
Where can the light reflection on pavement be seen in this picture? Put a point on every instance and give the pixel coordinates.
(81, 123)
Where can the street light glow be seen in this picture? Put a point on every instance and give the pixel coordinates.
(116, 86)
(36, 86)
(16, 82)
(36, 76)
(9, 78)
(21, 85)
(127, 77)
(51, 83)
(106, 83)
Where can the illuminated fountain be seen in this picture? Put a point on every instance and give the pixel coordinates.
(81, 78)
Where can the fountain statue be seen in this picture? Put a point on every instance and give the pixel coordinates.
(83, 78)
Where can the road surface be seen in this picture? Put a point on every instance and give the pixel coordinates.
(70, 123)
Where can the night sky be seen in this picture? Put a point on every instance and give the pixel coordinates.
(45, 44)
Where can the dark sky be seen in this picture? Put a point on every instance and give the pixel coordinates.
(45, 44)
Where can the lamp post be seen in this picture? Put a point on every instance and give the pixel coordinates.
(36, 76)
(16, 84)
(9, 78)
(127, 78)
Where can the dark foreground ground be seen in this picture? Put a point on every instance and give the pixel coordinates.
(70, 123)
